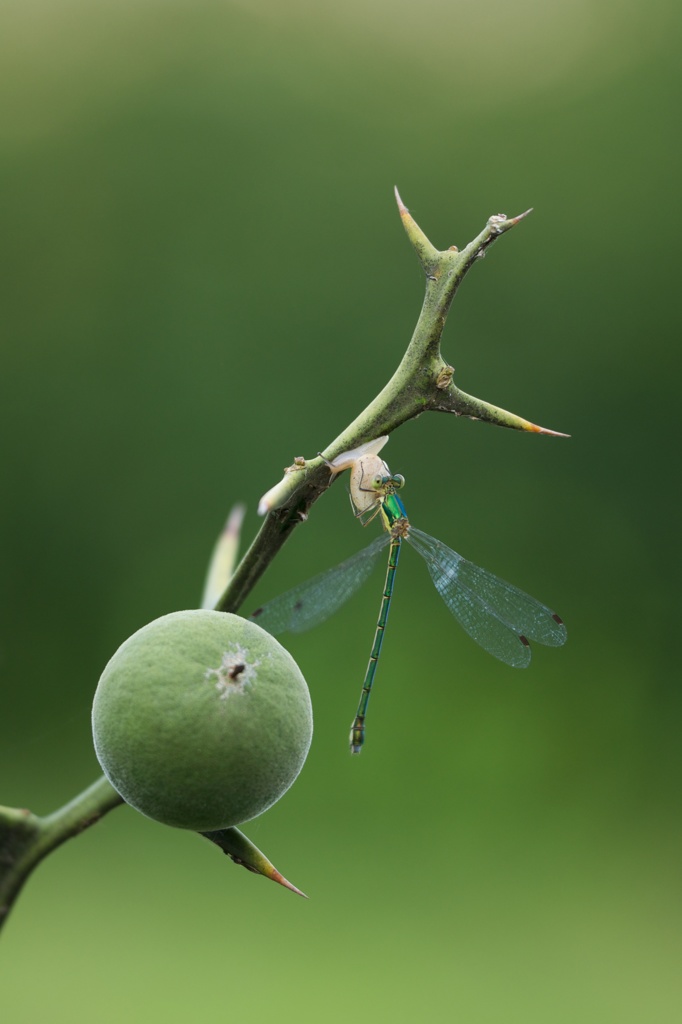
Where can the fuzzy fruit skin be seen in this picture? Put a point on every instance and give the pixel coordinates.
(188, 737)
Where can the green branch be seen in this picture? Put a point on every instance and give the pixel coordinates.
(422, 382)
(26, 838)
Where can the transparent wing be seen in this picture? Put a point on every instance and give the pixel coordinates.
(498, 616)
(315, 600)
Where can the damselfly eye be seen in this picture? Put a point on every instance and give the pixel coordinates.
(378, 480)
(398, 481)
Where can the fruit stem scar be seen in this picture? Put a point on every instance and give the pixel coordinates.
(234, 673)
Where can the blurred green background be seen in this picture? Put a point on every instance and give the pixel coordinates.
(205, 276)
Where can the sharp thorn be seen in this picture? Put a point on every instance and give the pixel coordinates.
(401, 205)
(520, 216)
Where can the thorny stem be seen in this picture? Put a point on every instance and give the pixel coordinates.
(26, 838)
(422, 382)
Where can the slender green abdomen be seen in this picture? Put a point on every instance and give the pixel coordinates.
(357, 735)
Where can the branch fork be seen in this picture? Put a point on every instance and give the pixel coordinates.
(422, 382)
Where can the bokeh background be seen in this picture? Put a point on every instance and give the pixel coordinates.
(205, 276)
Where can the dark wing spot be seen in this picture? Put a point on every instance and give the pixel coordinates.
(524, 640)
(298, 606)
(557, 619)
(254, 615)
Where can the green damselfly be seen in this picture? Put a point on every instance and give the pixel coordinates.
(501, 618)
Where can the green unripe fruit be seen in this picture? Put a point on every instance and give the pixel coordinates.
(201, 720)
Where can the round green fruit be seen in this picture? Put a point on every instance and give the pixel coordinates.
(201, 720)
